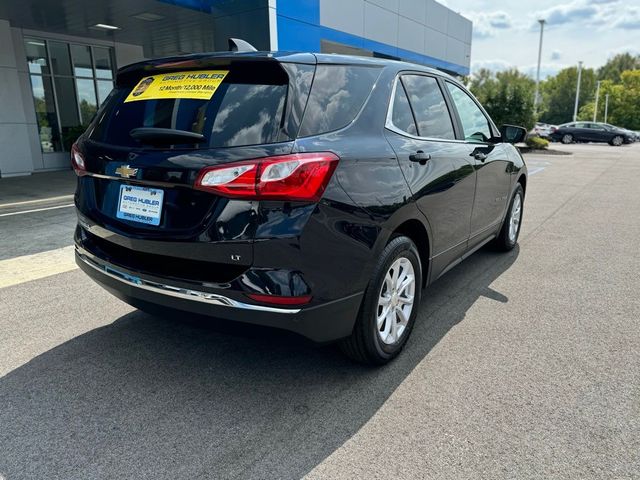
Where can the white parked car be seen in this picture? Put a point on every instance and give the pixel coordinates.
(543, 130)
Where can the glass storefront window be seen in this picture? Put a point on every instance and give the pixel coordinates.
(86, 100)
(104, 88)
(81, 55)
(102, 58)
(36, 55)
(69, 82)
(46, 113)
(60, 62)
(67, 107)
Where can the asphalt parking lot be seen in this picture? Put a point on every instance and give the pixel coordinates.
(524, 365)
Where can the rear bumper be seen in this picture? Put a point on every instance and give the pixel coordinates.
(320, 323)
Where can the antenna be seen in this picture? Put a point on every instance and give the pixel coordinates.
(239, 45)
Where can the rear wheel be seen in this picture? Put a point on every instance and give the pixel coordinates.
(508, 236)
(567, 138)
(617, 141)
(389, 307)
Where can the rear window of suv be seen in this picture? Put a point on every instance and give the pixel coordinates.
(246, 109)
(336, 97)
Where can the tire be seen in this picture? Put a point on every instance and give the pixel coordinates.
(507, 239)
(617, 141)
(567, 138)
(372, 341)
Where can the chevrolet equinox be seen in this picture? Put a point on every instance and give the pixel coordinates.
(310, 192)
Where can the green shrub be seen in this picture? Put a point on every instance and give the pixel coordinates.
(537, 143)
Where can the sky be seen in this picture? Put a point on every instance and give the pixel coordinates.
(506, 32)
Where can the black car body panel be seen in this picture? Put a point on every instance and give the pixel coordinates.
(210, 253)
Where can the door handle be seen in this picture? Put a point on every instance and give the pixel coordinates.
(479, 156)
(420, 157)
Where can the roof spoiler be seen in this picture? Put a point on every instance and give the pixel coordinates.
(239, 45)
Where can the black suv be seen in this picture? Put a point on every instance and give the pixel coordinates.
(314, 193)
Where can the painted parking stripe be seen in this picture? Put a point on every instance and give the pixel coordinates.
(38, 200)
(35, 210)
(15, 271)
(533, 171)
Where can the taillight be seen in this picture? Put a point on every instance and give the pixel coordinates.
(280, 300)
(77, 161)
(299, 176)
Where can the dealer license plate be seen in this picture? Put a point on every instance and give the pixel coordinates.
(140, 204)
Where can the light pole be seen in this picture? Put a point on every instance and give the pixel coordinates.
(575, 107)
(595, 109)
(606, 107)
(536, 99)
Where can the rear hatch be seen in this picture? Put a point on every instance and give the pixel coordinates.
(216, 110)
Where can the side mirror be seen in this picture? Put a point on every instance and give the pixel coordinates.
(512, 134)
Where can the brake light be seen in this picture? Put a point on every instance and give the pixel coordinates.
(299, 176)
(280, 300)
(77, 161)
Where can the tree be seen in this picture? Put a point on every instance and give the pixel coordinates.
(624, 102)
(507, 96)
(612, 70)
(559, 94)
(586, 110)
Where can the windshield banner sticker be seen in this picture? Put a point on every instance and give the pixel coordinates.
(199, 85)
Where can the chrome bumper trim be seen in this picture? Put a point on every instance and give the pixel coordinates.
(178, 292)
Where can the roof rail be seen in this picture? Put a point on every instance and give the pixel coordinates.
(239, 45)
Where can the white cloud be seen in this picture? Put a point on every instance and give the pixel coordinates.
(591, 38)
(632, 49)
(606, 14)
(576, 11)
(493, 65)
(546, 69)
(488, 24)
(630, 20)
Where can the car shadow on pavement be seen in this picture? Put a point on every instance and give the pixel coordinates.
(147, 397)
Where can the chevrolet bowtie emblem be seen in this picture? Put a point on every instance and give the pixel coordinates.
(126, 171)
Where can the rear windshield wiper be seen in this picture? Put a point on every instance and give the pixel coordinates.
(165, 136)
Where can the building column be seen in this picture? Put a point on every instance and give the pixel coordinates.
(21, 152)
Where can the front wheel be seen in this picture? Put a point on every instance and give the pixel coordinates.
(508, 236)
(389, 307)
(617, 141)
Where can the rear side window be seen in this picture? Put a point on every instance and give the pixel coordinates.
(247, 109)
(429, 107)
(402, 117)
(337, 95)
(474, 123)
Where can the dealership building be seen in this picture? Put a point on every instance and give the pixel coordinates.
(58, 57)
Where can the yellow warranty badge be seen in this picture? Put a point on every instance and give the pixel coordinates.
(200, 85)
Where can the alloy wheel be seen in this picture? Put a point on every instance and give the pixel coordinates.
(395, 302)
(515, 217)
(617, 141)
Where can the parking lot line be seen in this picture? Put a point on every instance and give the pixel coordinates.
(38, 200)
(14, 271)
(35, 210)
(535, 170)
